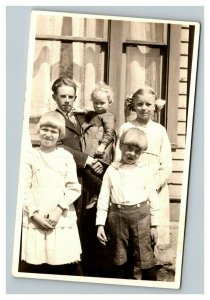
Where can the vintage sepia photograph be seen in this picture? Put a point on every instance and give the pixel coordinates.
(105, 150)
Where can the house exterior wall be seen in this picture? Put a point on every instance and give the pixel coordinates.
(175, 181)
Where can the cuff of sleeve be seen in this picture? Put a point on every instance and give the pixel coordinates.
(154, 221)
(89, 161)
(101, 219)
(31, 211)
(105, 143)
(62, 205)
(31, 214)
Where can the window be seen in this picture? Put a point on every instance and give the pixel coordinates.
(76, 47)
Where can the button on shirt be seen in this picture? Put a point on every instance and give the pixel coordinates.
(127, 185)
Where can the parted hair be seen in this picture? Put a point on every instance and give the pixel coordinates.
(102, 87)
(135, 137)
(145, 91)
(63, 80)
(54, 120)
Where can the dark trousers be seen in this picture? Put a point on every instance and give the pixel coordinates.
(95, 256)
(96, 260)
(91, 185)
(125, 271)
(129, 229)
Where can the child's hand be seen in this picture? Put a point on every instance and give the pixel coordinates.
(154, 235)
(41, 222)
(54, 216)
(97, 166)
(101, 235)
(100, 149)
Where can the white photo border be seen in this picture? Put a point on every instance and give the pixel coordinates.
(184, 195)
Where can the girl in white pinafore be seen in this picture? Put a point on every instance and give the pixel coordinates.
(50, 235)
(158, 154)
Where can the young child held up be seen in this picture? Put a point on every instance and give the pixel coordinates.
(50, 238)
(99, 132)
(128, 205)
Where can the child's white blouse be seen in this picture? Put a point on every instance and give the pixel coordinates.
(50, 179)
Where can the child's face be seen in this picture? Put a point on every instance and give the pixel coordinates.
(101, 103)
(130, 153)
(48, 137)
(65, 97)
(144, 106)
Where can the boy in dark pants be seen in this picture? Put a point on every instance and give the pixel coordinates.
(129, 195)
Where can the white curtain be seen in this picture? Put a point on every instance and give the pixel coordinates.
(88, 60)
(143, 63)
(81, 60)
(46, 64)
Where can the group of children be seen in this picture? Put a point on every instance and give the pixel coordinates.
(130, 199)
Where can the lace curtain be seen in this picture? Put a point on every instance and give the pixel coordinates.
(83, 61)
(143, 63)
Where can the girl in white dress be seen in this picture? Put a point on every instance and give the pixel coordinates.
(50, 238)
(158, 154)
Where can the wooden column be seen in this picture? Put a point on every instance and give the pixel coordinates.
(115, 69)
(173, 83)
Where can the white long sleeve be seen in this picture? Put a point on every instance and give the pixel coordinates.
(73, 188)
(103, 200)
(28, 204)
(165, 168)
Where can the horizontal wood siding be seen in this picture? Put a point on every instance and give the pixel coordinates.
(175, 181)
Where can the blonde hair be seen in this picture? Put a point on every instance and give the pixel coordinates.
(146, 90)
(101, 87)
(136, 137)
(54, 120)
